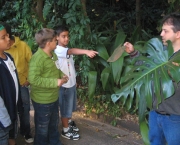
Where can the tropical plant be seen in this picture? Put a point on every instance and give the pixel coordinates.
(154, 73)
(104, 76)
(101, 25)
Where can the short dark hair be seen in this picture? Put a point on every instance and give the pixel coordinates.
(172, 19)
(43, 36)
(60, 28)
(8, 29)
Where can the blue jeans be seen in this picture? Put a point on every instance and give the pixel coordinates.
(25, 117)
(46, 119)
(14, 131)
(164, 129)
(67, 101)
(4, 136)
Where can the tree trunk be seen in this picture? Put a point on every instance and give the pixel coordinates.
(39, 10)
(83, 2)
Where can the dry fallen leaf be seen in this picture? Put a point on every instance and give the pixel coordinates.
(116, 54)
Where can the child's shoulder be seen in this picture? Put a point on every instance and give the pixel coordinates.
(9, 55)
(60, 48)
(36, 55)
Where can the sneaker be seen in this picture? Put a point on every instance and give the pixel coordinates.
(29, 138)
(72, 125)
(70, 134)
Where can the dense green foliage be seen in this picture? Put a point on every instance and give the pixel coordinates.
(102, 25)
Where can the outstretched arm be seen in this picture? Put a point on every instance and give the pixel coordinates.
(77, 51)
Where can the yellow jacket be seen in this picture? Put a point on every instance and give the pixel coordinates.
(21, 53)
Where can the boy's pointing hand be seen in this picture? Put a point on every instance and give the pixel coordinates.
(91, 53)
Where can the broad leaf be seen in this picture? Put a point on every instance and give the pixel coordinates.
(120, 38)
(153, 75)
(92, 77)
(105, 76)
(102, 51)
(101, 61)
(157, 68)
(142, 111)
(117, 68)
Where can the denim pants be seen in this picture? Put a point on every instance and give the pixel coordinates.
(164, 129)
(46, 119)
(14, 131)
(67, 101)
(4, 136)
(25, 117)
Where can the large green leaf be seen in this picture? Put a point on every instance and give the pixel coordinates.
(120, 38)
(101, 61)
(92, 77)
(142, 111)
(105, 76)
(157, 68)
(117, 68)
(144, 132)
(153, 74)
(102, 51)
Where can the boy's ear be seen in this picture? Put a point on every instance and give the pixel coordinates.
(178, 34)
(47, 43)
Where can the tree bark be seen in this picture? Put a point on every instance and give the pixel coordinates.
(39, 10)
(83, 2)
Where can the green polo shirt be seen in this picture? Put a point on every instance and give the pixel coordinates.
(43, 77)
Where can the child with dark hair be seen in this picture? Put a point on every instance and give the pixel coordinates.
(21, 53)
(45, 78)
(10, 100)
(67, 94)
